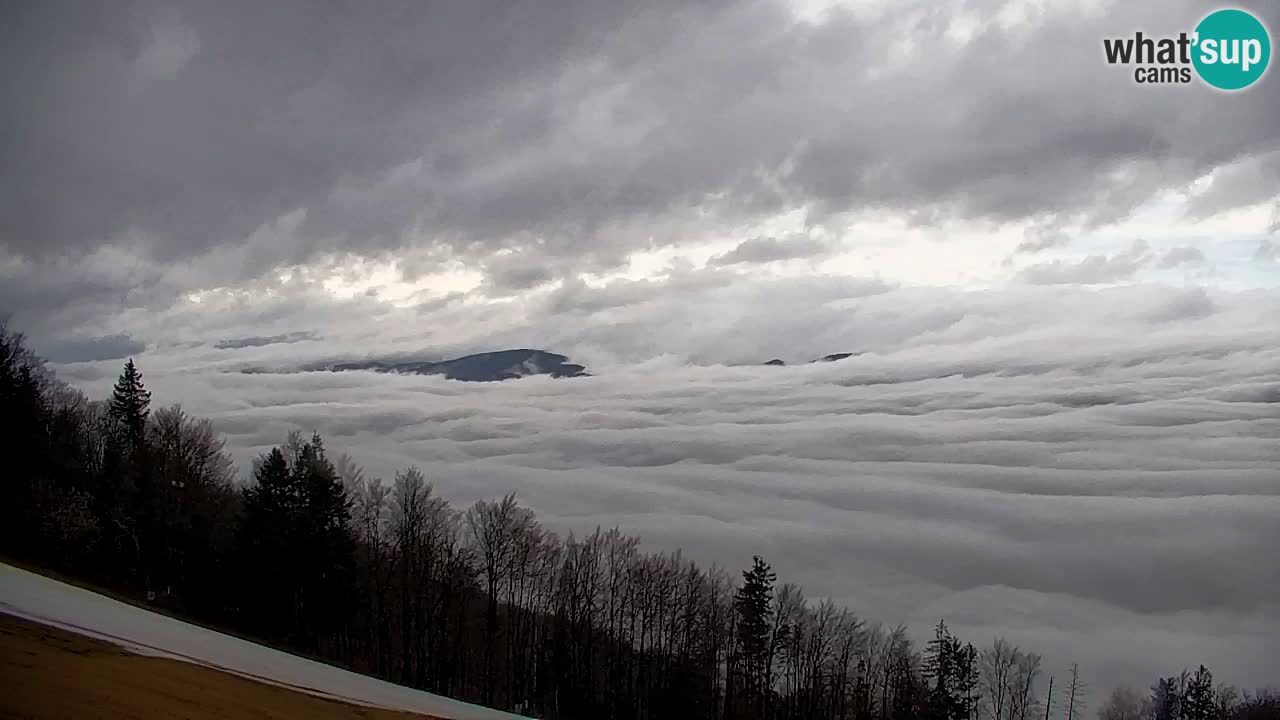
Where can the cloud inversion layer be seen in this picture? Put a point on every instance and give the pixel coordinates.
(1100, 485)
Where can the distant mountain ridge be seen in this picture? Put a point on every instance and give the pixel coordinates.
(498, 365)
(825, 358)
(481, 367)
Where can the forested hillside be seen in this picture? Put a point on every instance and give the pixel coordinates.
(483, 603)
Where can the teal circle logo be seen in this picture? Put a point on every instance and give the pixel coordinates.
(1232, 49)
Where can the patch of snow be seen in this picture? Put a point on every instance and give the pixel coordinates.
(40, 599)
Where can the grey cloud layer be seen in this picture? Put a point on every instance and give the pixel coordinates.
(1095, 269)
(1100, 484)
(260, 340)
(89, 349)
(768, 249)
(565, 128)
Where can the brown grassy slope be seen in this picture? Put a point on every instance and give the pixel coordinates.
(46, 673)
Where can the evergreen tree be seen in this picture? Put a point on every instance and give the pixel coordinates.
(1198, 699)
(297, 535)
(953, 669)
(23, 415)
(939, 667)
(907, 692)
(326, 545)
(266, 535)
(1166, 699)
(754, 604)
(274, 492)
(130, 501)
(967, 679)
(130, 405)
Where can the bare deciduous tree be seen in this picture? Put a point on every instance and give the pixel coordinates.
(1022, 693)
(998, 663)
(491, 531)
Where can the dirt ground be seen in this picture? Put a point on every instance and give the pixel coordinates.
(46, 673)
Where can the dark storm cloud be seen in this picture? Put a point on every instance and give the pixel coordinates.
(1254, 178)
(513, 273)
(260, 340)
(553, 127)
(74, 350)
(264, 110)
(1094, 483)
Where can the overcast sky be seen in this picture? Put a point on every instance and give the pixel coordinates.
(1064, 426)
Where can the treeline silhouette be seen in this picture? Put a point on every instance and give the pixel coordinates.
(482, 604)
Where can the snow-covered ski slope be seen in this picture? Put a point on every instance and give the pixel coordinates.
(50, 602)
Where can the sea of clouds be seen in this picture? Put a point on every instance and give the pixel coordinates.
(1094, 474)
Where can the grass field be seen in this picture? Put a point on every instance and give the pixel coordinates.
(51, 674)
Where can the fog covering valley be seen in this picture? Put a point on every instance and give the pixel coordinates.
(1099, 485)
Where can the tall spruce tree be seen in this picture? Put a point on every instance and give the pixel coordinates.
(938, 667)
(1166, 699)
(1199, 702)
(906, 693)
(131, 405)
(953, 669)
(23, 416)
(297, 536)
(266, 535)
(132, 501)
(326, 543)
(754, 605)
